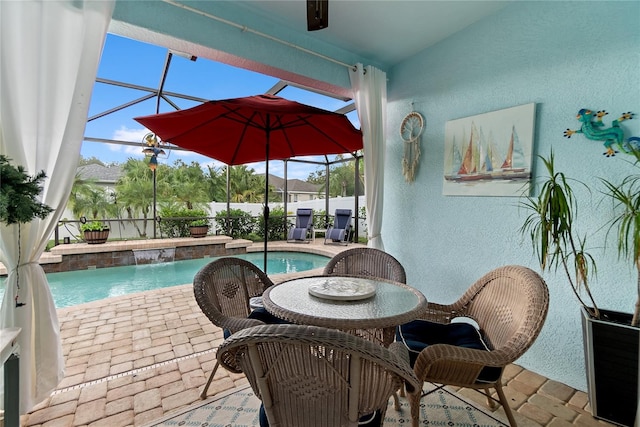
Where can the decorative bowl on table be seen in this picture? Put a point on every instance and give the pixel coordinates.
(341, 289)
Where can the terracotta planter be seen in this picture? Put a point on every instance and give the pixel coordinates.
(199, 231)
(96, 237)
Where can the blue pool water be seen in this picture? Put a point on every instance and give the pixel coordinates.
(77, 287)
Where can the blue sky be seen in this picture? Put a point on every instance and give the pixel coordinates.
(137, 63)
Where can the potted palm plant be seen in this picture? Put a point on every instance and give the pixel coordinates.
(610, 337)
(626, 221)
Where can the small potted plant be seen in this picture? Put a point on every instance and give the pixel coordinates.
(95, 232)
(610, 338)
(199, 227)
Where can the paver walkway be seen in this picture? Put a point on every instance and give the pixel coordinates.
(132, 359)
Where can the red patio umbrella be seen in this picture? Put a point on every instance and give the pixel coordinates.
(256, 128)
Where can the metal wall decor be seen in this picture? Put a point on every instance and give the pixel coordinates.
(613, 136)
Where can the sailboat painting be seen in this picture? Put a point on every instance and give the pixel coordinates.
(490, 154)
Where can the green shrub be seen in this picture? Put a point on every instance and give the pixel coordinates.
(175, 221)
(239, 224)
(320, 219)
(278, 225)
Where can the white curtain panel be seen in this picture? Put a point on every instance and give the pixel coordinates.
(370, 95)
(49, 56)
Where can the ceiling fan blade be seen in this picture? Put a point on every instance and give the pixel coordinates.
(317, 14)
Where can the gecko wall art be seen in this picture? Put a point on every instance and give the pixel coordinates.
(593, 128)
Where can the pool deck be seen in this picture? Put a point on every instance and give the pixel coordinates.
(114, 253)
(132, 359)
(213, 246)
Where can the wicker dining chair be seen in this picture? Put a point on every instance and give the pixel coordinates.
(223, 289)
(509, 306)
(317, 377)
(367, 262)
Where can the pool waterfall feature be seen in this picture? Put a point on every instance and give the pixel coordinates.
(71, 288)
(154, 256)
(89, 260)
(114, 253)
(81, 256)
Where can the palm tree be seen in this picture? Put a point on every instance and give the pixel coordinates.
(341, 178)
(217, 184)
(188, 184)
(245, 186)
(88, 199)
(135, 192)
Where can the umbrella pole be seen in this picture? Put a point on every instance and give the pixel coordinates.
(266, 200)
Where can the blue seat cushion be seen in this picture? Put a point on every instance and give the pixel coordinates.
(336, 234)
(419, 334)
(263, 315)
(259, 314)
(371, 420)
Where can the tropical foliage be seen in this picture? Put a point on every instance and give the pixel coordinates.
(88, 199)
(320, 219)
(278, 225)
(238, 224)
(341, 178)
(245, 186)
(19, 194)
(555, 240)
(184, 190)
(187, 184)
(176, 220)
(216, 184)
(626, 222)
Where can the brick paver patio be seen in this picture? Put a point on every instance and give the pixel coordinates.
(133, 359)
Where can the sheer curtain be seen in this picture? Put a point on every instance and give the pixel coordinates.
(49, 56)
(370, 95)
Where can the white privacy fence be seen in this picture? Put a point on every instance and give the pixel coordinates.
(125, 229)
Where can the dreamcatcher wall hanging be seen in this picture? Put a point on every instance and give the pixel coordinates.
(410, 130)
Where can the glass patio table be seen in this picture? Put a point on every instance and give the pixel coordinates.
(364, 306)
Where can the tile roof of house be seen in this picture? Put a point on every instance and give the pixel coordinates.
(294, 185)
(99, 173)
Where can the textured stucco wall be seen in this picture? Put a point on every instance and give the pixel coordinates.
(563, 56)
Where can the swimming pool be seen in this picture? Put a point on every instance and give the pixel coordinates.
(80, 286)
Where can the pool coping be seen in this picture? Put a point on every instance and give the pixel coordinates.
(231, 247)
(314, 248)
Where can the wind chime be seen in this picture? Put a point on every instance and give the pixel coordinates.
(153, 149)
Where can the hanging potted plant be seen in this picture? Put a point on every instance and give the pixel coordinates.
(18, 201)
(94, 232)
(612, 382)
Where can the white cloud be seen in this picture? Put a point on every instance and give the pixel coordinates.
(211, 162)
(131, 135)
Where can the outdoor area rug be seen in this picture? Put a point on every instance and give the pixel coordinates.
(239, 408)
